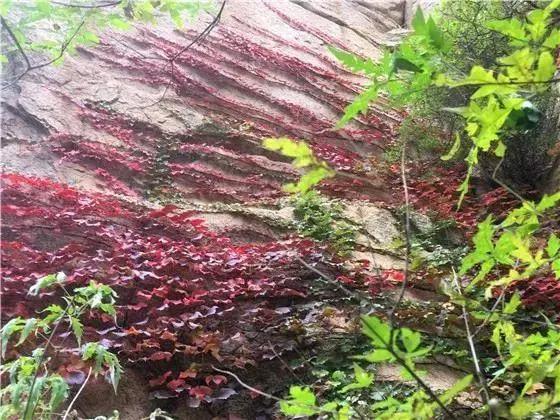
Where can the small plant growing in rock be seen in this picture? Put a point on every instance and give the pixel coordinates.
(321, 219)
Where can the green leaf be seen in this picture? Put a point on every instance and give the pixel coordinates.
(483, 238)
(545, 68)
(310, 179)
(363, 379)
(538, 23)
(8, 329)
(524, 407)
(513, 304)
(553, 245)
(548, 201)
(103, 359)
(359, 105)
(419, 23)
(512, 28)
(43, 7)
(500, 149)
(30, 325)
(435, 34)
(117, 22)
(478, 75)
(302, 402)
(556, 267)
(302, 395)
(5, 6)
(77, 328)
(288, 147)
(411, 339)
(459, 386)
(59, 391)
(378, 355)
(553, 5)
(553, 39)
(34, 397)
(377, 330)
(47, 281)
(454, 149)
(353, 62)
(404, 64)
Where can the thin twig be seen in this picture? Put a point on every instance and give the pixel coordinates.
(507, 188)
(284, 363)
(77, 394)
(490, 313)
(31, 67)
(407, 240)
(87, 6)
(171, 60)
(244, 385)
(16, 42)
(40, 362)
(472, 347)
(420, 381)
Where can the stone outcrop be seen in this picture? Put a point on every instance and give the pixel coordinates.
(118, 117)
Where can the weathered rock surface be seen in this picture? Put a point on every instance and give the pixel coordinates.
(192, 130)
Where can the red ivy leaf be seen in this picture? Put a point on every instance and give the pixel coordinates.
(160, 380)
(200, 392)
(176, 385)
(189, 373)
(161, 355)
(215, 379)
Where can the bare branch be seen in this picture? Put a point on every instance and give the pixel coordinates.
(15, 40)
(171, 61)
(407, 240)
(77, 395)
(419, 381)
(244, 385)
(87, 6)
(30, 67)
(472, 348)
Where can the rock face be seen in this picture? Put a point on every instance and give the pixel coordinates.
(195, 127)
(119, 120)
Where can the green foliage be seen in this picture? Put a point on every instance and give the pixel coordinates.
(532, 361)
(321, 219)
(51, 28)
(496, 93)
(48, 393)
(104, 361)
(435, 246)
(407, 73)
(33, 392)
(510, 246)
(303, 157)
(389, 345)
(393, 344)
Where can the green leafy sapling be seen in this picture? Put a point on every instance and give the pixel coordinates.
(403, 75)
(33, 391)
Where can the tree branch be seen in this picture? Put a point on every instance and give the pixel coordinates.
(171, 60)
(87, 6)
(31, 67)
